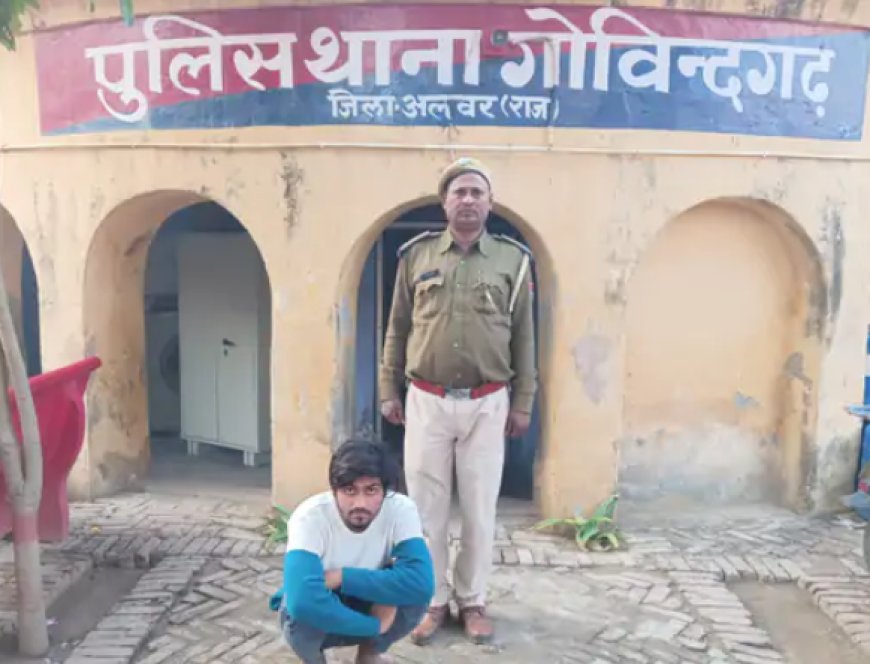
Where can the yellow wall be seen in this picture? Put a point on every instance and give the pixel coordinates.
(12, 255)
(712, 420)
(673, 312)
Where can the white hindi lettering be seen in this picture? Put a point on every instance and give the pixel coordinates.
(649, 48)
(185, 61)
(378, 106)
(709, 65)
(644, 60)
(526, 107)
(344, 104)
(126, 86)
(819, 92)
(326, 44)
(758, 82)
(441, 108)
(470, 105)
(421, 106)
(520, 74)
(660, 76)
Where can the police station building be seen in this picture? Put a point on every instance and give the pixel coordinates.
(210, 199)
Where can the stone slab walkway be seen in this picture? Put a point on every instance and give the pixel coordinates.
(59, 572)
(665, 599)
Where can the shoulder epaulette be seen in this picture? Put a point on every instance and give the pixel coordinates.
(518, 245)
(414, 240)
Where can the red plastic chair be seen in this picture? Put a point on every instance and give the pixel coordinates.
(58, 397)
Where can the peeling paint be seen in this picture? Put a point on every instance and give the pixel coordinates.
(591, 359)
(809, 467)
(614, 288)
(98, 202)
(787, 9)
(850, 7)
(293, 177)
(234, 185)
(834, 248)
(650, 175)
(837, 465)
(94, 411)
(794, 368)
(116, 471)
(816, 311)
(713, 464)
(743, 401)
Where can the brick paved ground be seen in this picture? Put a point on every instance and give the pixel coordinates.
(666, 599)
(60, 571)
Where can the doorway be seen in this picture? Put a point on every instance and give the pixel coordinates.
(374, 300)
(207, 312)
(30, 315)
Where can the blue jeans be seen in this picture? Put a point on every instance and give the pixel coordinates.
(309, 642)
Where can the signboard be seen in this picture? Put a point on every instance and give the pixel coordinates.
(456, 65)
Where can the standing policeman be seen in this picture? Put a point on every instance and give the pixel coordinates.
(461, 337)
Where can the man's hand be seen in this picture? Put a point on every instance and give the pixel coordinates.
(517, 424)
(386, 614)
(333, 579)
(393, 411)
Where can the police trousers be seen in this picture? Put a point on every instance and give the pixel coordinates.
(443, 433)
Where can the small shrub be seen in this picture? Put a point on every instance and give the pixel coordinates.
(597, 533)
(276, 525)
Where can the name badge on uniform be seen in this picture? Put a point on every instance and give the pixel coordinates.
(431, 274)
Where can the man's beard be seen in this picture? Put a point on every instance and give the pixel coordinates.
(358, 526)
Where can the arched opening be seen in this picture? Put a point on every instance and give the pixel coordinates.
(183, 399)
(19, 276)
(373, 302)
(725, 322)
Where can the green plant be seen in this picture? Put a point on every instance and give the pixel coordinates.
(11, 12)
(597, 533)
(127, 11)
(276, 525)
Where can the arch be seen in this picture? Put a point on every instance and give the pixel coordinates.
(352, 266)
(118, 450)
(348, 317)
(22, 287)
(726, 323)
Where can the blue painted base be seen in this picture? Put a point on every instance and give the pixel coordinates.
(864, 459)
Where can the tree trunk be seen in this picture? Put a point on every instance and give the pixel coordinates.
(22, 468)
(32, 627)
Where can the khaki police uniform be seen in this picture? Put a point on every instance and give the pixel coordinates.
(460, 336)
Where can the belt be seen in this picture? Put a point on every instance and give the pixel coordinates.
(458, 393)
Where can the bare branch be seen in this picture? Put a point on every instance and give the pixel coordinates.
(31, 470)
(10, 453)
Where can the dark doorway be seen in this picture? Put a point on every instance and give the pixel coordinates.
(30, 315)
(373, 308)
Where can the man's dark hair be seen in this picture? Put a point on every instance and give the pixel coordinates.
(362, 458)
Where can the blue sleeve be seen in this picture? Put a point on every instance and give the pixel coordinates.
(310, 602)
(409, 582)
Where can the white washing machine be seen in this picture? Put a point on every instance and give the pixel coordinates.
(164, 396)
